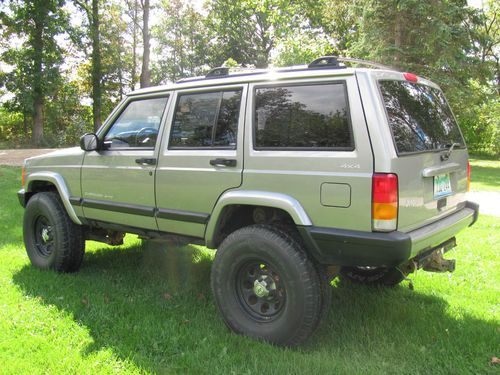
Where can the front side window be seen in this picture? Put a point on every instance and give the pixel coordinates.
(304, 117)
(206, 120)
(138, 124)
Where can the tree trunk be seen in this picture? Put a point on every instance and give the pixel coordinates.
(96, 66)
(133, 80)
(37, 134)
(145, 73)
(398, 36)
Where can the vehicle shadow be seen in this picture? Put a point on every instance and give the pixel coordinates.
(152, 305)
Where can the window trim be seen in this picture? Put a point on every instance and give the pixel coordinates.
(206, 91)
(410, 153)
(342, 82)
(116, 116)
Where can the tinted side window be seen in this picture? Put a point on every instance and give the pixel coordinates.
(137, 125)
(303, 117)
(208, 119)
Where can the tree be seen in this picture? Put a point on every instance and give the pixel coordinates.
(145, 72)
(134, 27)
(91, 9)
(247, 31)
(36, 62)
(182, 42)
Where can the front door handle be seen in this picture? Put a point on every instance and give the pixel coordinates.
(146, 161)
(223, 162)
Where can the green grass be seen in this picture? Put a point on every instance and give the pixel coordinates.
(485, 175)
(142, 309)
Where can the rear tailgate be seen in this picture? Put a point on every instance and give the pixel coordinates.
(431, 157)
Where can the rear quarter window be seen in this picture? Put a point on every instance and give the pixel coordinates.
(302, 117)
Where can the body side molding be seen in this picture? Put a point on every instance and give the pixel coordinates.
(58, 181)
(255, 198)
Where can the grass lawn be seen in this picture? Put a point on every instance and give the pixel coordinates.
(136, 310)
(485, 175)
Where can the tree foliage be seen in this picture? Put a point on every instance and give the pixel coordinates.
(60, 56)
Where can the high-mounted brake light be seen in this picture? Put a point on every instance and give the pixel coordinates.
(410, 77)
(468, 175)
(384, 202)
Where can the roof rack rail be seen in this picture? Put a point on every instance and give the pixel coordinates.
(366, 62)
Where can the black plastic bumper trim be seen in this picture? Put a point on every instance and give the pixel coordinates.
(350, 247)
(21, 195)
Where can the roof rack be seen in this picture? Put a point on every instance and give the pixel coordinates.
(323, 62)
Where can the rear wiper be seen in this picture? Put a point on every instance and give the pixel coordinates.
(447, 154)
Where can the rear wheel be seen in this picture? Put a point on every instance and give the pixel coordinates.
(52, 240)
(386, 276)
(266, 287)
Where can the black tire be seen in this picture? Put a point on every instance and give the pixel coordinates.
(263, 253)
(381, 276)
(326, 292)
(52, 240)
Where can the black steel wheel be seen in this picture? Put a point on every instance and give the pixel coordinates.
(266, 287)
(52, 240)
(260, 290)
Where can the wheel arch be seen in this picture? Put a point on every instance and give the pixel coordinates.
(43, 181)
(252, 198)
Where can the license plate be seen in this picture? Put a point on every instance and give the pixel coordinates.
(442, 186)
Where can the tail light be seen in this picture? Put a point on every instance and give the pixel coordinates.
(23, 176)
(468, 175)
(384, 202)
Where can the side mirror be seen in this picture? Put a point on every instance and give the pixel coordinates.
(89, 142)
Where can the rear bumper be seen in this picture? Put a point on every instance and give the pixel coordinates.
(356, 248)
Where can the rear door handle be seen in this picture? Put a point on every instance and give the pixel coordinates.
(146, 161)
(223, 162)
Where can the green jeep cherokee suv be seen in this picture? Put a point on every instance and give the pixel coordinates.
(293, 175)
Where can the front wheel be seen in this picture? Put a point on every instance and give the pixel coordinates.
(383, 276)
(266, 287)
(52, 240)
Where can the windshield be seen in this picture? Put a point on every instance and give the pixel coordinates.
(419, 117)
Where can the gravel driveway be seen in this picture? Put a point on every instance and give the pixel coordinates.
(16, 157)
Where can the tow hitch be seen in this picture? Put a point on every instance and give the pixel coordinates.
(436, 263)
(432, 260)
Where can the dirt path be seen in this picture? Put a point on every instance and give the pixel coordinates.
(17, 156)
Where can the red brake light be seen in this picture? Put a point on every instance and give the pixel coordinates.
(23, 176)
(384, 201)
(410, 77)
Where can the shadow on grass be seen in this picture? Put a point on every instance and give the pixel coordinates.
(153, 306)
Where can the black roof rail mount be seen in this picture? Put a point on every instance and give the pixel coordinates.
(323, 62)
(220, 71)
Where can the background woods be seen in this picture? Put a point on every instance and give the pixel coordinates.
(64, 64)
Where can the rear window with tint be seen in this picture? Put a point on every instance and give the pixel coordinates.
(419, 117)
(304, 117)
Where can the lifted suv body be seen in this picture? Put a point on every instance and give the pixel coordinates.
(210, 156)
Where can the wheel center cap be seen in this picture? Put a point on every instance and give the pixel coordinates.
(260, 288)
(45, 235)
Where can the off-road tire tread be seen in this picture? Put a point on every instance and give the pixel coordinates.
(72, 241)
(298, 256)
